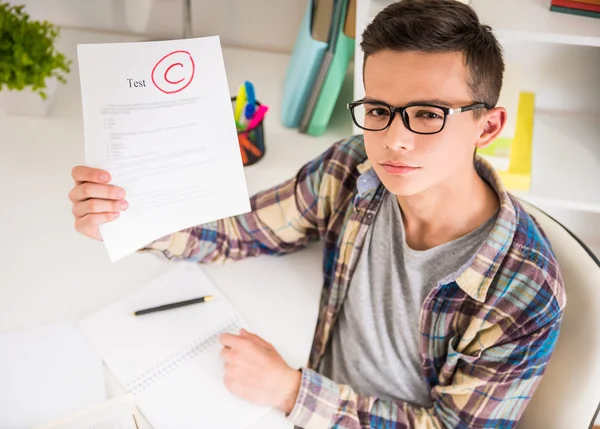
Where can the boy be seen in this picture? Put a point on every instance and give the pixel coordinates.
(442, 300)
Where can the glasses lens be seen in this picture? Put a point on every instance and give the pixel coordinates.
(425, 119)
(372, 117)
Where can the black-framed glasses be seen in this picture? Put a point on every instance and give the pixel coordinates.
(371, 115)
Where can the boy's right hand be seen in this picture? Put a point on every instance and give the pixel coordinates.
(94, 201)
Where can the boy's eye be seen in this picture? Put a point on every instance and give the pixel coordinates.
(378, 111)
(425, 114)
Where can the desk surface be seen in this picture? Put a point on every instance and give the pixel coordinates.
(49, 273)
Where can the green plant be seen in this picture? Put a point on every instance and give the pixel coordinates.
(27, 53)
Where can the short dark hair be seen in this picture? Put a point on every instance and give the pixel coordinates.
(436, 26)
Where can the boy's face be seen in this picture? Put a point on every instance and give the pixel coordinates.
(402, 78)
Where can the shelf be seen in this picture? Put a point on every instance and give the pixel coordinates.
(566, 162)
(519, 20)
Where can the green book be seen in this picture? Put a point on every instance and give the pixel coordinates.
(332, 86)
(579, 12)
(327, 87)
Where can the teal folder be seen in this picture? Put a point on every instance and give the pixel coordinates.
(317, 117)
(301, 72)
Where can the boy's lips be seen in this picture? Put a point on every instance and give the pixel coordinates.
(398, 168)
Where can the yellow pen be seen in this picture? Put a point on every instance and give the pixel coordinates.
(240, 103)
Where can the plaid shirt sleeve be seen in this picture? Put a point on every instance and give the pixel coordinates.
(488, 391)
(282, 220)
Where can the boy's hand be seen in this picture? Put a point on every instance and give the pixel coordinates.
(94, 201)
(256, 372)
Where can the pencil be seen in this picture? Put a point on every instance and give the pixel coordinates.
(174, 305)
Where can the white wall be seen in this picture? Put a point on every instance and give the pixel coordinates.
(262, 24)
(563, 77)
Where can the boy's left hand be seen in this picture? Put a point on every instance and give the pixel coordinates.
(255, 372)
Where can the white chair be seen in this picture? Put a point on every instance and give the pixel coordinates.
(568, 396)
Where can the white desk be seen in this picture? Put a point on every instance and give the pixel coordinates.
(50, 273)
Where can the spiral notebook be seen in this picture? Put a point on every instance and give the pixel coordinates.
(170, 360)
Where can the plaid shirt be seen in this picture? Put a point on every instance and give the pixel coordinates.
(486, 334)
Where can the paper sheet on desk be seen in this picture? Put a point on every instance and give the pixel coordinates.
(158, 117)
(45, 373)
(116, 413)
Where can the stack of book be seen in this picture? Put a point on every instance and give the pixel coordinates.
(589, 8)
(319, 64)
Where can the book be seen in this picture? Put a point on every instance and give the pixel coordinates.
(350, 24)
(303, 67)
(588, 1)
(576, 5)
(578, 12)
(326, 89)
(337, 22)
(170, 361)
(321, 20)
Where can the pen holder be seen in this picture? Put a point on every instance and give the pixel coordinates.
(251, 141)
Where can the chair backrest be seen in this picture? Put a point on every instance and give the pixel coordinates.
(569, 394)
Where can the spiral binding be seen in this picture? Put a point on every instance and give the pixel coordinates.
(152, 375)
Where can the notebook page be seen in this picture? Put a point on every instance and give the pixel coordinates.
(47, 372)
(133, 345)
(193, 394)
(170, 361)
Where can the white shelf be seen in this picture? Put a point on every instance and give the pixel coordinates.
(519, 20)
(566, 162)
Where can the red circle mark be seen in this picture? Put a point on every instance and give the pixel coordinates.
(167, 71)
(161, 60)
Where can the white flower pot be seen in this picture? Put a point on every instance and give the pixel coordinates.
(27, 102)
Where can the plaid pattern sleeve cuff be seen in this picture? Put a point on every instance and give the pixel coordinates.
(317, 401)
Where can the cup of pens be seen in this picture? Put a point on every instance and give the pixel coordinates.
(249, 116)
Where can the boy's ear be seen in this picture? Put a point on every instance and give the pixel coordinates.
(493, 124)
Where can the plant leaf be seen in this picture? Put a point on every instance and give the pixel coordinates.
(27, 51)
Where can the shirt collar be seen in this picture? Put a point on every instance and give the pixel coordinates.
(368, 179)
(476, 276)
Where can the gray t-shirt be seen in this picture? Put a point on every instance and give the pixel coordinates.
(375, 343)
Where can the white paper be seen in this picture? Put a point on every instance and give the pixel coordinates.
(166, 352)
(117, 413)
(158, 116)
(45, 373)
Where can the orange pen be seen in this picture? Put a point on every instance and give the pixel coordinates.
(248, 145)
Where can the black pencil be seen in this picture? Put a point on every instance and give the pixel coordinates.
(173, 305)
